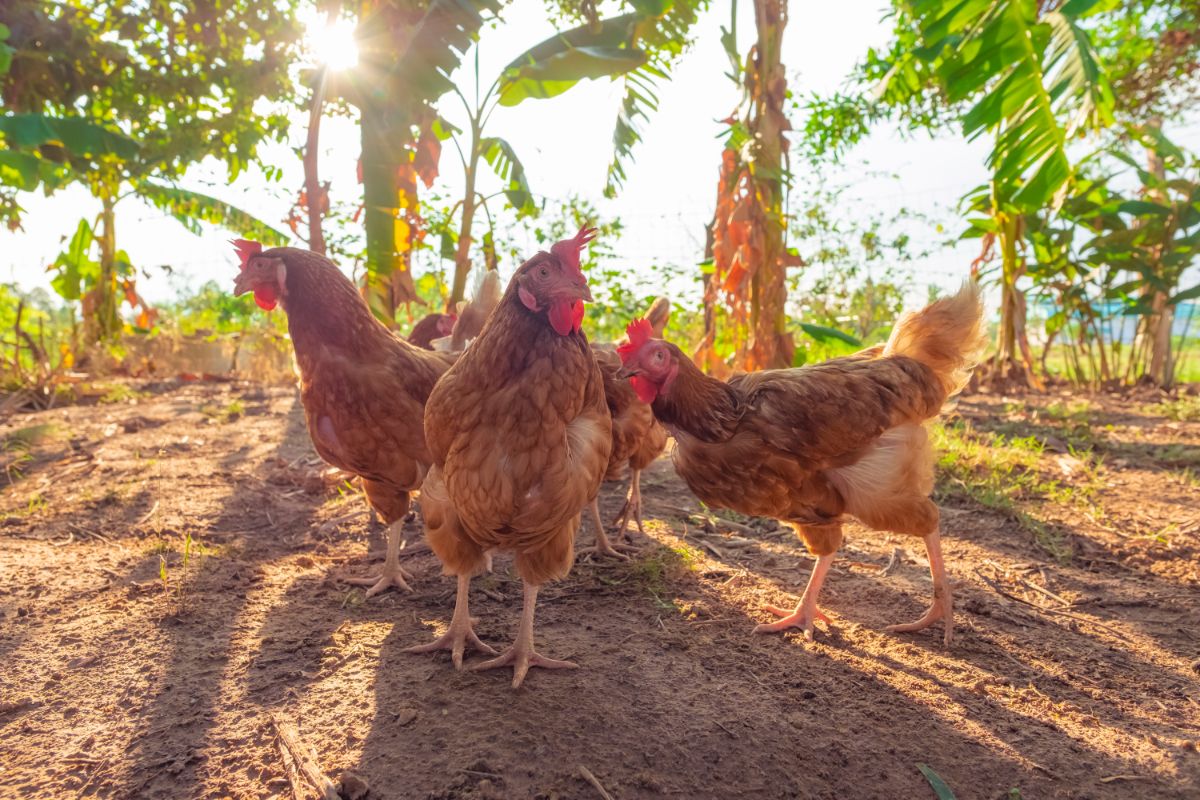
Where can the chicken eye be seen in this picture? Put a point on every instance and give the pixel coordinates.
(658, 355)
(543, 272)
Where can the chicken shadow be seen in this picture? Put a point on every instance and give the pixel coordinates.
(173, 752)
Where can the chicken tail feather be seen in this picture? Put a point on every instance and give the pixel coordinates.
(475, 313)
(948, 336)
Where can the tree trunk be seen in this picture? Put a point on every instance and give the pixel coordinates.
(1161, 318)
(390, 214)
(771, 346)
(462, 254)
(100, 319)
(1014, 357)
(312, 181)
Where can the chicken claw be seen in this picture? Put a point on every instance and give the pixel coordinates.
(943, 598)
(604, 547)
(460, 633)
(521, 656)
(393, 574)
(806, 613)
(800, 617)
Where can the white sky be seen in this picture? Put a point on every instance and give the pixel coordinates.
(565, 144)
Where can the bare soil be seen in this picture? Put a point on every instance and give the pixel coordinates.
(169, 580)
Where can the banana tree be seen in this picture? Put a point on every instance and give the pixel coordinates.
(407, 52)
(1020, 71)
(605, 48)
(749, 260)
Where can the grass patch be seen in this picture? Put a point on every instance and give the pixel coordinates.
(18, 447)
(1009, 474)
(120, 393)
(655, 568)
(228, 413)
(1180, 409)
(1080, 410)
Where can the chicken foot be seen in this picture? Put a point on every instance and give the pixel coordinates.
(603, 547)
(393, 574)
(460, 633)
(943, 598)
(806, 613)
(632, 510)
(521, 656)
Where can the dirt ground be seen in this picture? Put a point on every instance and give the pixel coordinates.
(169, 581)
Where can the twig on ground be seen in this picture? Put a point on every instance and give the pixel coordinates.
(587, 775)
(305, 759)
(1042, 589)
(711, 518)
(893, 562)
(1059, 612)
(499, 598)
(481, 774)
(291, 771)
(148, 514)
(722, 727)
(329, 525)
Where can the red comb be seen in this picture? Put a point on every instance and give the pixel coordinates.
(245, 249)
(639, 332)
(567, 251)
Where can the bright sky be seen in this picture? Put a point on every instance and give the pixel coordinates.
(565, 144)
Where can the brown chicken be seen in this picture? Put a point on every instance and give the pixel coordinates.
(810, 446)
(363, 388)
(430, 327)
(637, 438)
(520, 437)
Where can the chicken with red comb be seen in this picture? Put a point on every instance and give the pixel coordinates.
(520, 436)
(362, 387)
(814, 445)
(637, 438)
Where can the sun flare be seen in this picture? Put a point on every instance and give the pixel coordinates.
(333, 43)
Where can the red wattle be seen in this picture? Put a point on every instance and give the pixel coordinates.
(562, 317)
(265, 297)
(646, 391)
(577, 315)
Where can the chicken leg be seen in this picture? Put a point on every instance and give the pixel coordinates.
(806, 612)
(521, 656)
(632, 508)
(603, 547)
(943, 598)
(460, 633)
(393, 574)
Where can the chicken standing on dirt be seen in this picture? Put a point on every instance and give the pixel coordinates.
(637, 437)
(520, 437)
(808, 446)
(363, 388)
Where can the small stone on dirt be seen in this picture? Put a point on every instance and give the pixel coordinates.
(405, 715)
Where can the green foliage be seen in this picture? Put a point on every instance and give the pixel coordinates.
(192, 208)
(1013, 72)
(1098, 258)
(936, 783)
(76, 272)
(501, 157)
(602, 50)
(212, 310)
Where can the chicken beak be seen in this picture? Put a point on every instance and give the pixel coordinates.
(585, 292)
(627, 372)
(242, 284)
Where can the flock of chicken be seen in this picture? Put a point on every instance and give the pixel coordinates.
(509, 438)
